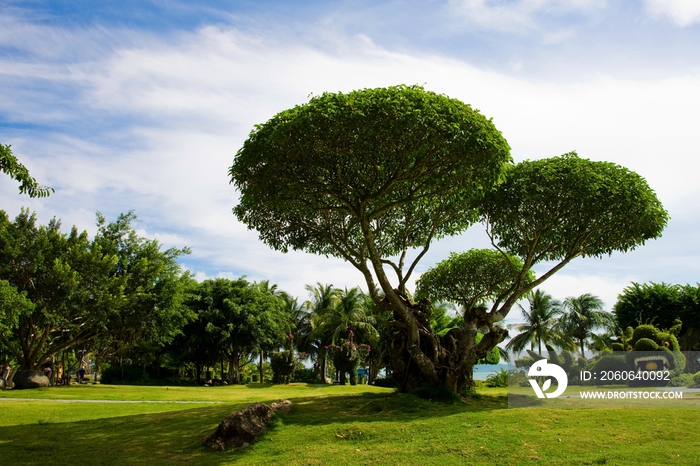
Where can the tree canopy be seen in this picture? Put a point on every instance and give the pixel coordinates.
(471, 277)
(367, 175)
(557, 209)
(373, 174)
(68, 290)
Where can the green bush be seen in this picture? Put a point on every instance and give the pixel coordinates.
(644, 331)
(646, 344)
(683, 380)
(134, 375)
(610, 362)
(696, 378)
(498, 379)
(618, 347)
(306, 375)
(283, 365)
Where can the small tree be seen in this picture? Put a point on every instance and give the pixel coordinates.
(540, 320)
(582, 315)
(347, 358)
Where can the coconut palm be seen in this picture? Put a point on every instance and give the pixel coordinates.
(323, 297)
(539, 325)
(582, 315)
(348, 317)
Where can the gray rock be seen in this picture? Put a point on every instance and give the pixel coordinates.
(242, 427)
(30, 379)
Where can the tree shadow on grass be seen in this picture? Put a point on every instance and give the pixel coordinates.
(382, 407)
(174, 437)
(171, 437)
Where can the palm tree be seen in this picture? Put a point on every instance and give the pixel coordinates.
(583, 315)
(348, 316)
(323, 297)
(539, 324)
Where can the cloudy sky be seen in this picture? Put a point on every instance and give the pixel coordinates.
(141, 105)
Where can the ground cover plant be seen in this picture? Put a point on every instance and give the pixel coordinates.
(331, 425)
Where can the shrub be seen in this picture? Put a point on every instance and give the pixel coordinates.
(683, 380)
(618, 347)
(282, 364)
(134, 375)
(498, 379)
(610, 362)
(644, 331)
(696, 378)
(347, 357)
(645, 344)
(306, 375)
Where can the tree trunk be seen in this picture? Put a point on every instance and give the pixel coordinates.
(323, 369)
(234, 368)
(452, 355)
(262, 369)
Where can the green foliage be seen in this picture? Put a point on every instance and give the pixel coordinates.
(696, 378)
(369, 175)
(136, 375)
(582, 315)
(347, 317)
(618, 347)
(69, 280)
(306, 375)
(18, 172)
(657, 303)
(347, 358)
(540, 321)
(572, 206)
(153, 289)
(659, 337)
(667, 306)
(283, 365)
(311, 176)
(648, 332)
(682, 380)
(13, 304)
(498, 379)
(471, 277)
(610, 362)
(234, 319)
(646, 344)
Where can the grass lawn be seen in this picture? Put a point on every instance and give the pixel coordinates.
(331, 425)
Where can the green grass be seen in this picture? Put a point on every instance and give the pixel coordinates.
(332, 425)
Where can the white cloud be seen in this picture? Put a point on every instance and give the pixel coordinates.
(519, 15)
(177, 110)
(682, 13)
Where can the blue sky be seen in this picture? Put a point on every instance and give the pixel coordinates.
(142, 105)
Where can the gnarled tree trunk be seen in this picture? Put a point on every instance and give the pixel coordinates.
(452, 356)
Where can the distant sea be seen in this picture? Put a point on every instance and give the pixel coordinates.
(482, 371)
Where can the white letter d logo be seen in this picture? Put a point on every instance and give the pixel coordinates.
(543, 369)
